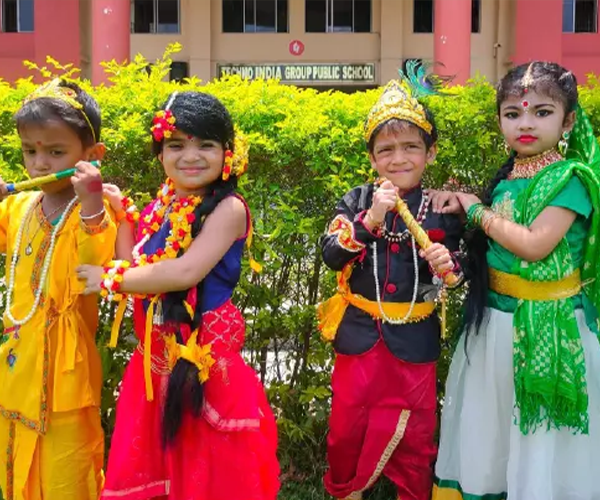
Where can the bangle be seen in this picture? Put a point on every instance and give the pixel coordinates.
(488, 218)
(373, 222)
(112, 279)
(90, 217)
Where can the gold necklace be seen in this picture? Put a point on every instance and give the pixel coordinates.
(527, 168)
(29, 248)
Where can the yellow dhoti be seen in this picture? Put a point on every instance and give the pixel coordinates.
(64, 464)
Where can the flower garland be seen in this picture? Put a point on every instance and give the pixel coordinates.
(180, 212)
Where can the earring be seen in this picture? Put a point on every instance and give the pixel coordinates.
(507, 148)
(563, 144)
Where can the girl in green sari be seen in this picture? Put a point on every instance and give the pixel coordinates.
(521, 417)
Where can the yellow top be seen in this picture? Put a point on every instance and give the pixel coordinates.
(50, 363)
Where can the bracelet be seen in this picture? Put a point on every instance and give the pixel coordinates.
(375, 224)
(90, 217)
(112, 278)
(488, 218)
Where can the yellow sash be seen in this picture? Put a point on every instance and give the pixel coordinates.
(519, 288)
(331, 312)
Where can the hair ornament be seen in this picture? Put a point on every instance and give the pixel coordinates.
(163, 123)
(54, 90)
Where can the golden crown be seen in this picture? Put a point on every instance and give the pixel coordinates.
(53, 90)
(396, 101)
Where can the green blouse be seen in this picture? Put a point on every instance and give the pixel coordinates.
(573, 197)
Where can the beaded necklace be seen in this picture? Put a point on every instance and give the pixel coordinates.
(404, 235)
(45, 267)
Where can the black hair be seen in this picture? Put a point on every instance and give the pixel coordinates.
(396, 125)
(42, 109)
(203, 116)
(545, 78)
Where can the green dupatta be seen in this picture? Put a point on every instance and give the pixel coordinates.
(549, 363)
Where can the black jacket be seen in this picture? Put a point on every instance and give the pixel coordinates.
(349, 240)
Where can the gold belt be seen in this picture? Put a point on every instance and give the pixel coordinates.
(519, 288)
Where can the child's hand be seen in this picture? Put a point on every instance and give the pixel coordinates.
(466, 200)
(92, 275)
(87, 182)
(444, 202)
(439, 258)
(384, 200)
(113, 194)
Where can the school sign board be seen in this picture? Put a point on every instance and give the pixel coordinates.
(303, 73)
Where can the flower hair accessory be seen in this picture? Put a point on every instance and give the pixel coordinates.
(236, 161)
(163, 123)
(199, 355)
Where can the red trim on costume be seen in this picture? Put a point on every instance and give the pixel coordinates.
(346, 237)
(248, 216)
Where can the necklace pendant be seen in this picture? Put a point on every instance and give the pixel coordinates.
(28, 250)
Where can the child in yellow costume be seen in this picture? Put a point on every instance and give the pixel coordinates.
(51, 440)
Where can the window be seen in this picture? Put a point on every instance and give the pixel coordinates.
(580, 16)
(424, 12)
(350, 16)
(17, 16)
(255, 16)
(155, 16)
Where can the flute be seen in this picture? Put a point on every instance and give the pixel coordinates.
(420, 236)
(16, 187)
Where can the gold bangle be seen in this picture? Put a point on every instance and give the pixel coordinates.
(488, 218)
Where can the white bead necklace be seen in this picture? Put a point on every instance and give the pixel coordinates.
(406, 318)
(45, 267)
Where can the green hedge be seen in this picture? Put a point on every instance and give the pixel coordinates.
(306, 151)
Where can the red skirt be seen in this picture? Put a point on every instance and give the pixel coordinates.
(227, 453)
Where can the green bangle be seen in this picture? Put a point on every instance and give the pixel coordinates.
(474, 215)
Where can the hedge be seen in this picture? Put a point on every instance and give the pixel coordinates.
(307, 149)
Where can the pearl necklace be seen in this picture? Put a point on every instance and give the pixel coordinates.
(45, 267)
(386, 319)
(403, 235)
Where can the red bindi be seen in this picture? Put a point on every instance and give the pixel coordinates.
(525, 104)
(39, 143)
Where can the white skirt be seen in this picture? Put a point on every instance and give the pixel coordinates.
(483, 454)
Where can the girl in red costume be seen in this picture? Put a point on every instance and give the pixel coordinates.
(193, 421)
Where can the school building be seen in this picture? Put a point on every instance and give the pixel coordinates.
(348, 44)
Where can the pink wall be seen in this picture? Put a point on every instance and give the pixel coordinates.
(581, 54)
(56, 33)
(538, 31)
(452, 38)
(110, 34)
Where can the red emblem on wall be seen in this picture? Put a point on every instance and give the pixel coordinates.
(296, 47)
